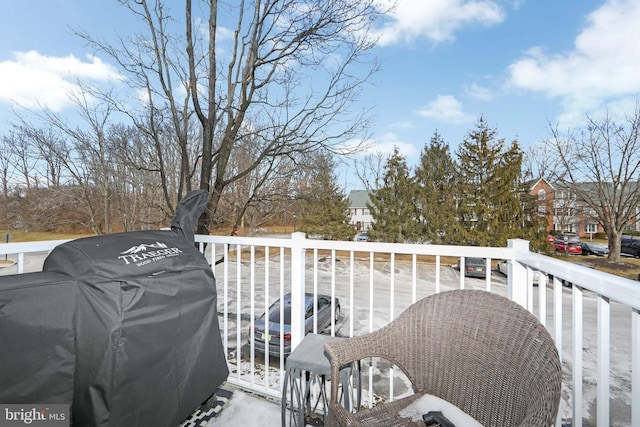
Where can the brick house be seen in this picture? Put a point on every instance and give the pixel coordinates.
(564, 211)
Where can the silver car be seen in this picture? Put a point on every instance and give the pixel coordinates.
(473, 267)
(260, 335)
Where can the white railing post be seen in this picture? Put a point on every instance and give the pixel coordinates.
(297, 288)
(517, 281)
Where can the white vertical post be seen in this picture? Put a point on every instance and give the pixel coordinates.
(517, 277)
(297, 288)
(577, 356)
(20, 262)
(604, 330)
(635, 368)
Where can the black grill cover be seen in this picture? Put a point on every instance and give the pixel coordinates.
(37, 342)
(148, 345)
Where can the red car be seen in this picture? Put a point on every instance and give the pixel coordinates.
(572, 248)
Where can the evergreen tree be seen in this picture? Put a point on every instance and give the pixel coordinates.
(434, 197)
(519, 214)
(491, 206)
(325, 208)
(392, 205)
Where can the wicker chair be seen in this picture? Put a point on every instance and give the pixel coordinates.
(481, 352)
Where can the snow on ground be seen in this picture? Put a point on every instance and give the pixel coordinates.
(248, 410)
(392, 293)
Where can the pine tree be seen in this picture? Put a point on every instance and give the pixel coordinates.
(519, 214)
(434, 197)
(325, 209)
(392, 205)
(490, 202)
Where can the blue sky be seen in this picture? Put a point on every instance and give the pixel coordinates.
(522, 64)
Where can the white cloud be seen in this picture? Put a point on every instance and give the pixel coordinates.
(437, 20)
(446, 108)
(479, 92)
(384, 144)
(32, 80)
(602, 68)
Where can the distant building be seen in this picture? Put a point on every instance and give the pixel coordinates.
(565, 212)
(361, 218)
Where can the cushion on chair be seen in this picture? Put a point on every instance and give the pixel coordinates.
(429, 402)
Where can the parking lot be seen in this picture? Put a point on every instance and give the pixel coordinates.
(373, 303)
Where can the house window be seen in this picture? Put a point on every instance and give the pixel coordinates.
(542, 195)
(591, 228)
(366, 211)
(542, 210)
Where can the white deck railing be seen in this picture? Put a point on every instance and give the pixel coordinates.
(594, 317)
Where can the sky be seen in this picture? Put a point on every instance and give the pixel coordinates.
(523, 65)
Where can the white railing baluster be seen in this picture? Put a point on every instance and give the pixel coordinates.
(315, 286)
(392, 288)
(542, 296)
(557, 316)
(371, 296)
(592, 290)
(488, 274)
(437, 274)
(238, 309)
(281, 290)
(297, 289)
(577, 356)
(351, 291)
(414, 277)
(557, 323)
(252, 309)
(604, 329)
(333, 292)
(635, 368)
(267, 261)
(225, 281)
(21, 263)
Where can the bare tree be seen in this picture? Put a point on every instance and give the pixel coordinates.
(600, 164)
(81, 150)
(23, 157)
(370, 170)
(287, 76)
(6, 171)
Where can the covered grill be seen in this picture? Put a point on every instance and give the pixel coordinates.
(146, 345)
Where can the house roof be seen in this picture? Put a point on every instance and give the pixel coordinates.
(359, 199)
(534, 184)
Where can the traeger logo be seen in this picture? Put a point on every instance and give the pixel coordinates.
(148, 252)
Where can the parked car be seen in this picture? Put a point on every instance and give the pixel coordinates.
(503, 268)
(473, 267)
(594, 248)
(569, 237)
(362, 237)
(260, 333)
(630, 246)
(572, 248)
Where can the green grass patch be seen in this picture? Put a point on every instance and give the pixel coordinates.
(25, 236)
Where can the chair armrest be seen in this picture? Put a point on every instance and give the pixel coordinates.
(380, 343)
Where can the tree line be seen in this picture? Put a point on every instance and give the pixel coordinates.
(233, 99)
(245, 101)
(475, 196)
(480, 195)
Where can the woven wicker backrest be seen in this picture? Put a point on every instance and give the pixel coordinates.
(480, 351)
